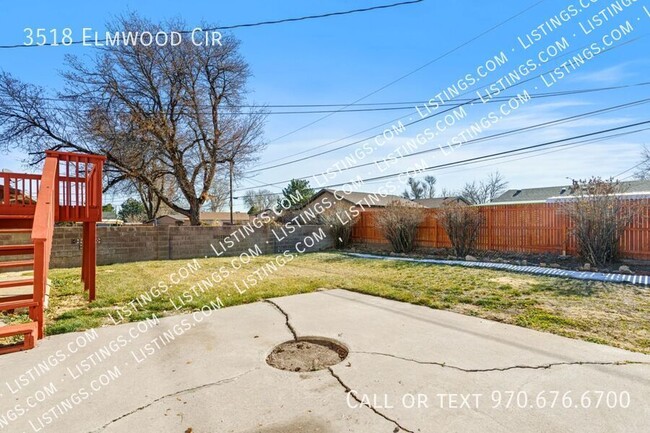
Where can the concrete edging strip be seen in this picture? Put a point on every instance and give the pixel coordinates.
(639, 280)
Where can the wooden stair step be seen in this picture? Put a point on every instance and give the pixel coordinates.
(21, 328)
(25, 297)
(30, 332)
(16, 264)
(13, 231)
(15, 250)
(16, 283)
(13, 305)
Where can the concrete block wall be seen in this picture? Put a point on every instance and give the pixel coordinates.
(15, 239)
(142, 243)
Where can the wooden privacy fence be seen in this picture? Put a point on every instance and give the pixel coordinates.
(522, 228)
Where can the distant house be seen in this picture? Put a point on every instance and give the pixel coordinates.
(218, 218)
(634, 189)
(363, 200)
(109, 218)
(169, 220)
(16, 196)
(438, 202)
(207, 218)
(360, 199)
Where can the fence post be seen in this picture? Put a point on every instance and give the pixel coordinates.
(489, 228)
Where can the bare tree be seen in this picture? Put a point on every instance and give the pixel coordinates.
(494, 186)
(486, 190)
(430, 181)
(462, 224)
(599, 214)
(418, 189)
(154, 111)
(472, 192)
(445, 192)
(398, 223)
(259, 200)
(153, 205)
(414, 190)
(219, 194)
(643, 170)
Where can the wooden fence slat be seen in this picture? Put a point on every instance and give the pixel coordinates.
(527, 228)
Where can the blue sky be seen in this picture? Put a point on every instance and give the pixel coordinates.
(341, 59)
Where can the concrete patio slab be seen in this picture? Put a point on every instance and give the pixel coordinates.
(410, 369)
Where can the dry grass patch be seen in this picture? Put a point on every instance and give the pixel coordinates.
(613, 314)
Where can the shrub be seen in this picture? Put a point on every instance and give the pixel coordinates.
(339, 222)
(462, 224)
(599, 215)
(398, 222)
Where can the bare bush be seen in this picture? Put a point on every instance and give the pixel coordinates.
(398, 222)
(339, 221)
(599, 214)
(462, 224)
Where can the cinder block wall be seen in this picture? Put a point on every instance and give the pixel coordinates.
(142, 243)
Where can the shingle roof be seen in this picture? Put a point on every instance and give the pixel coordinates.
(438, 202)
(532, 194)
(543, 194)
(177, 217)
(211, 216)
(223, 216)
(369, 199)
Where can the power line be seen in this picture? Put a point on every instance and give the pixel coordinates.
(256, 24)
(293, 161)
(518, 151)
(630, 169)
(507, 152)
(539, 152)
(519, 130)
(469, 101)
(370, 104)
(495, 99)
(430, 62)
(501, 134)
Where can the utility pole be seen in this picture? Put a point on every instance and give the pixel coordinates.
(232, 163)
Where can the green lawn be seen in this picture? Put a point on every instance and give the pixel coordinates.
(614, 314)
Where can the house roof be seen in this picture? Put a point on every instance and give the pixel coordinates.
(177, 217)
(17, 195)
(367, 199)
(540, 195)
(211, 216)
(533, 194)
(438, 202)
(223, 216)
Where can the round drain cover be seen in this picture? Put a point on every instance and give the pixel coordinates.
(307, 354)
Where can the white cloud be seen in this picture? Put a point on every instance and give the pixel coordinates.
(613, 74)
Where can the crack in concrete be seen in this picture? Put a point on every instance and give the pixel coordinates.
(286, 317)
(349, 391)
(174, 394)
(335, 376)
(514, 367)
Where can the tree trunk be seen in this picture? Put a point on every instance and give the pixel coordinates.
(194, 216)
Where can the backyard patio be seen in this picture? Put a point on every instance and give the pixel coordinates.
(612, 314)
(407, 368)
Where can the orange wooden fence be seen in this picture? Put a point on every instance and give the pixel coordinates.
(523, 228)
